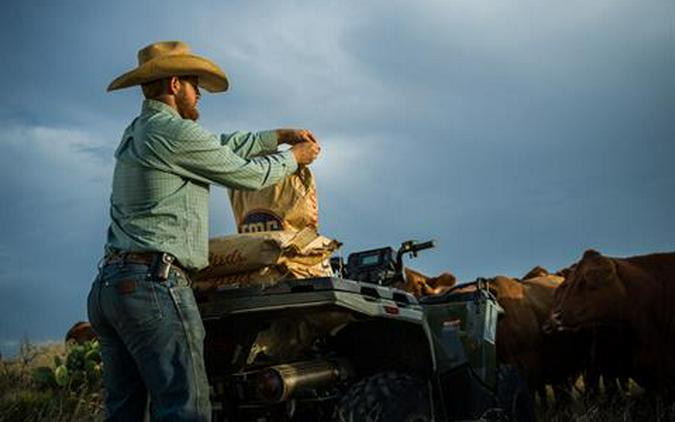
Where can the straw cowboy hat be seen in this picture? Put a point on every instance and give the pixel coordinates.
(172, 58)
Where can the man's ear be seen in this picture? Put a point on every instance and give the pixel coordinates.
(174, 85)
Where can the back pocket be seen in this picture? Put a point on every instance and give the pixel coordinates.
(134, 301)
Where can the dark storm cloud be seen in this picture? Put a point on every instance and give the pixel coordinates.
(544, 138)
(516, 133)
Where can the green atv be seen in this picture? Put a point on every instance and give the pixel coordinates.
(353, 348)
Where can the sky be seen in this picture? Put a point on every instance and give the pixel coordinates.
(515, 133)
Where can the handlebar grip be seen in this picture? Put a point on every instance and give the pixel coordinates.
(424, 245)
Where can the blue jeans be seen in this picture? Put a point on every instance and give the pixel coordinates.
(152, 344)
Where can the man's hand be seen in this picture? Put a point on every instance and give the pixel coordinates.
(295, 136)
(305, 152)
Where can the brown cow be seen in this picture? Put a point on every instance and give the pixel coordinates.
(521, 340)
(537, 271)
(633, 296)
(80, 333)
(421, 285)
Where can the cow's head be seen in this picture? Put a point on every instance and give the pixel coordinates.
(591, 295)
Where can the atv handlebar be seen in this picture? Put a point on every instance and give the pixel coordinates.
(383, 266)
(410, 246)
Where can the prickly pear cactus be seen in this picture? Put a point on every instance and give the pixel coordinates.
(80, 371)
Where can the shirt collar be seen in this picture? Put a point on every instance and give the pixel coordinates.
(158, 106)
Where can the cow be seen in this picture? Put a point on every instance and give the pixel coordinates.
(80, 333)
(632, 297)
(605, 358)
(421, 285)
(535, 272)
(521, 340)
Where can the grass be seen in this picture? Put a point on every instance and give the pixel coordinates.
(23, 398)
(633, 405)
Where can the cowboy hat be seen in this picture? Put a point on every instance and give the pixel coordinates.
(172, 58)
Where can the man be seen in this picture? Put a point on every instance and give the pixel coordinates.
(141, 304)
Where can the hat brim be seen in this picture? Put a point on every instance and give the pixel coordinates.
(210, 76)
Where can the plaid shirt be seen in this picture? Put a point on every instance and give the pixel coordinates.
(164, 166)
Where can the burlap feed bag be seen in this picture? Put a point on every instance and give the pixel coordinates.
(252, 251)
(263, 277)
(289, 205)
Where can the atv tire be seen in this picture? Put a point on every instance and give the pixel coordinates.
(514, 396)
(389, 396)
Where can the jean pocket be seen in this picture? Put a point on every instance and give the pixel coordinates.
(134, 301)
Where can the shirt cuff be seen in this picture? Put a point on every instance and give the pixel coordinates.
(288, 162)
(269, 140)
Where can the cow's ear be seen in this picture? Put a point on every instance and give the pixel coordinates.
(591, 253)
(445, 279)
(599, 269)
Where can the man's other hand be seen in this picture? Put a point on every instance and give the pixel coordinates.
(295, 136)
(305, 152)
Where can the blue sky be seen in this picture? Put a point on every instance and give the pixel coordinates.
(515, 133)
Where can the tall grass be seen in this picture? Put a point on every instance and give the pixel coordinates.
(634, 405)
(28, 393)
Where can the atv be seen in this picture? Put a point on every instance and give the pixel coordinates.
(353, 348)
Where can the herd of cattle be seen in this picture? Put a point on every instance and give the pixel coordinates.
(609, 318)
(603, 318)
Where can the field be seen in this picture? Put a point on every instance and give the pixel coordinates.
(631, 406)
(33, 389)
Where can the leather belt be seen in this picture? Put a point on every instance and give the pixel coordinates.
(152, 259)
(130, 258)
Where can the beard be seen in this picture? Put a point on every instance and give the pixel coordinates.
(185, 109)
